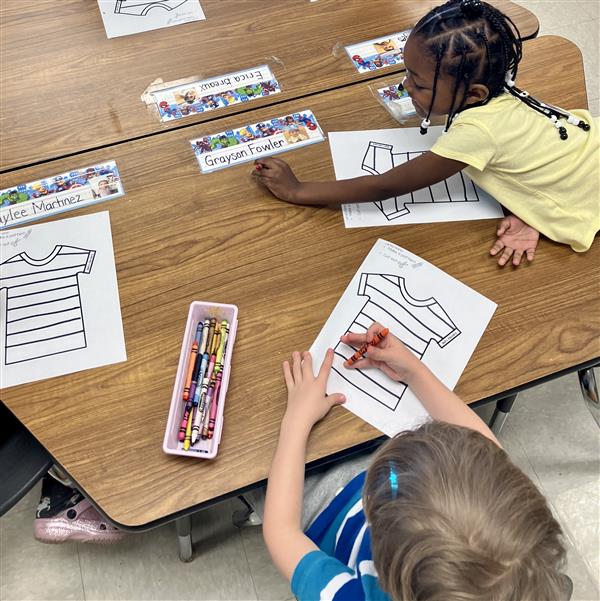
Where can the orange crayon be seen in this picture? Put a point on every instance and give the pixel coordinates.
(362, 351)
(188, 379)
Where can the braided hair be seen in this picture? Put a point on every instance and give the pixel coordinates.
(477, 43)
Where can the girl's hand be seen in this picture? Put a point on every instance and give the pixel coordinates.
(515, 237)
(390, 355)
(308, 401)
(277, 176)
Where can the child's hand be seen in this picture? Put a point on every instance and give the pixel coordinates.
(390, 355)
(515, 237)
(308, 401)
(278, 177)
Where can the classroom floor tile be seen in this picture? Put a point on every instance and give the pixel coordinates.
(578, 21)
(34, 571)
(146, 565)
(553, 438)
(579, 512)
(269, 584)
(557, 434)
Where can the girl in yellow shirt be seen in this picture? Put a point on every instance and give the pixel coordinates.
(538, 161)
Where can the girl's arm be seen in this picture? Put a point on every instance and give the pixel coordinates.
(307, 404)
(426, 170)
(398, 363)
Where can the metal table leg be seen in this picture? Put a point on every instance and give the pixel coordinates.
(589, 389)
(503, 407)
(184, 537)
(246, 516)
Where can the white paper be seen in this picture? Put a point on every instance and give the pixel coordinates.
(59, 301)
(439, 318)
(125, 17)
(370, 152)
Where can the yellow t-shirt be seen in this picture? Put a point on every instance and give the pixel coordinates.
(515, 153)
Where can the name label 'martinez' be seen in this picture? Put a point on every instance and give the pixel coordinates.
(64, 192)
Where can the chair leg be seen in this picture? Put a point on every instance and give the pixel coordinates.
(503, 408)
(589, 390)
(184, 537)
(246, 516)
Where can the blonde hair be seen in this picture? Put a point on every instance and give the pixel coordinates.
(453, 519)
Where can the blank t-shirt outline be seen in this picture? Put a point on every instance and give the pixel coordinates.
(141, 8)
(394, 208)
(429, 303)
(59, 251)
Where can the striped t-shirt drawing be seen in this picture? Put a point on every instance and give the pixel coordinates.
(415, 322)
(380, 158)
(43, 313)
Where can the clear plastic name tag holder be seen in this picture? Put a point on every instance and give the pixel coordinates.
(190, 96)
(396, 101)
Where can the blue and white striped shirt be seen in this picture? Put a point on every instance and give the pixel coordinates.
(342, 570)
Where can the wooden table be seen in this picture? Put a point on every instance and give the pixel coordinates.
(180, 236)
(85, 92)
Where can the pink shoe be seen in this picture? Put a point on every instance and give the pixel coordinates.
(76, 519)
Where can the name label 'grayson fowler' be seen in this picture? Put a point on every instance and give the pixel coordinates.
(233, 155)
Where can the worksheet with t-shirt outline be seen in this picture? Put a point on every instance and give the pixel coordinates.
(441, 318)
(141, 8)
(456, 188)
(59, 300)
(127, 17)
(49, 304)
(400, 314)
(373, 152)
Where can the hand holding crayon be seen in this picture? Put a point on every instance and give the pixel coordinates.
(362, 351)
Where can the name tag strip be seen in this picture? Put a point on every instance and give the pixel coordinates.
(214, 93)
(379, 52)
(63, 192)
(265, 138)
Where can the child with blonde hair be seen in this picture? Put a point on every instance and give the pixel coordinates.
(441, 514)
(539, 161)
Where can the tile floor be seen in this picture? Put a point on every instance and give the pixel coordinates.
(549, 434)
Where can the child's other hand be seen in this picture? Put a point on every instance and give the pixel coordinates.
(277, 176)
(390, 355)
(308, 401)
(515, 237)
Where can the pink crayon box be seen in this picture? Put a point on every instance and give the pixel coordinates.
(203, 449)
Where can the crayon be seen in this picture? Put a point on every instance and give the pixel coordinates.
(362, 351)
(184, 421)
(215, 403)
(207, 392)
(201, 400)
(214, 406)
(203, 329)
(211, 333)
(203, 343)
(191, 364)
(222, 345)
(195, 376)
(188, 433)
(201, 374)
(210, 401)
(216, 342)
